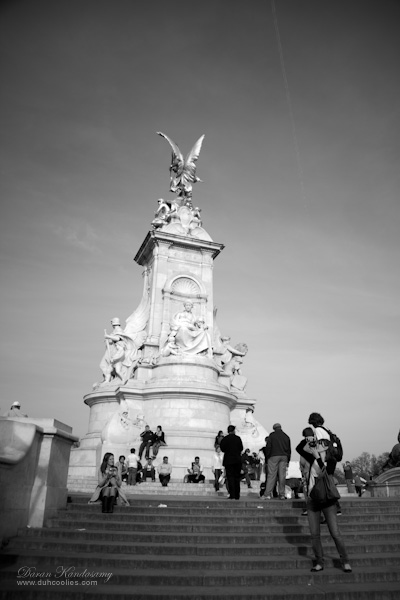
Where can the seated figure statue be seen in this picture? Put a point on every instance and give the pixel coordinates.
(191, 336)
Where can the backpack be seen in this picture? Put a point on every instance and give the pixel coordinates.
(335, 449)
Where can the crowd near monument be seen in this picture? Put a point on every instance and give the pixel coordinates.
(169, 364)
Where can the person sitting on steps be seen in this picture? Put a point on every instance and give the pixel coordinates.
(196, 472)
(109, 485)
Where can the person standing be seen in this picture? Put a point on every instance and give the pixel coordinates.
(247, 467)
(359, 484)
(132, 465)
(317, 447)
(232, 447)
(15, 411)
(217, 467)
(348, 474)
(278, 453)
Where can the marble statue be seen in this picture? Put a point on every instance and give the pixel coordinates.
(123, 352)
(232, 357)
(117, 350)
(183, 171)
(170, 346)
(231, 360)
(162, 216)
(192, 335)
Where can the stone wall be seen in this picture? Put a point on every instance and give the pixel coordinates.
(34, 459)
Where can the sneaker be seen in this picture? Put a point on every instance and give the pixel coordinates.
(304, 513)
(347, 568)
(339, 512)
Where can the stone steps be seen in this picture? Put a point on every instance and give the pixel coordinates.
(178, 549)
(88, 486)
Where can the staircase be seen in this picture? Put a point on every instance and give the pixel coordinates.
(179, 488)
(175, 548)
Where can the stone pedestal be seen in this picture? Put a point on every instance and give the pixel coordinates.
(34, 458)
(183, 391)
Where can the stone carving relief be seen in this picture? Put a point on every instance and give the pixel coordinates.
(188, 334)
(121, 428)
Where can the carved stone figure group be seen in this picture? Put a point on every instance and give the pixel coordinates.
(188, 336)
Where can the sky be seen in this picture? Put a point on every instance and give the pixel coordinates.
(299, 104)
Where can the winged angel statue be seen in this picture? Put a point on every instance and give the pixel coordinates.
(183, 171)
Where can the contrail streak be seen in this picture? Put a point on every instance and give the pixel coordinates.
(289, 102)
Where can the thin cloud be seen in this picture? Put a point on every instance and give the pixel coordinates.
(80, 236)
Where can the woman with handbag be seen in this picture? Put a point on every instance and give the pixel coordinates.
(322, 494)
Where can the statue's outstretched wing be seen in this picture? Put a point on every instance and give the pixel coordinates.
(191, 159)
(137, 321)
(177, 162)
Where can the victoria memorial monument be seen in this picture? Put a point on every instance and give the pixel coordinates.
(169, 364)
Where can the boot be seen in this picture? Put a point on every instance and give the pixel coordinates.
(104, 504)
(110, 505)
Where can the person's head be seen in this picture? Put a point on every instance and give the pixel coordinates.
(308, 433)
(188, 306)
(217, 449)
(108, 461)
(276, 426)
(231, 429)
(133, 450)
(165, 459)
(147, 427)
(267, 438)
(220, 433)
(122, 458)
(16, 404)
(197, 459)
(247, 451)
(115, 322)
(159, 428)
(316, 420)
(149, 460)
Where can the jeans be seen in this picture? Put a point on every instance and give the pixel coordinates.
(277, 466)
(164, 479)
(149, 473)
(144, 445)
(217, 475)
(131, 476)
(314, 518)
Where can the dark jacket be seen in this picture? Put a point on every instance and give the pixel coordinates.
(147, 436)
(278, 444)
(232, 447)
